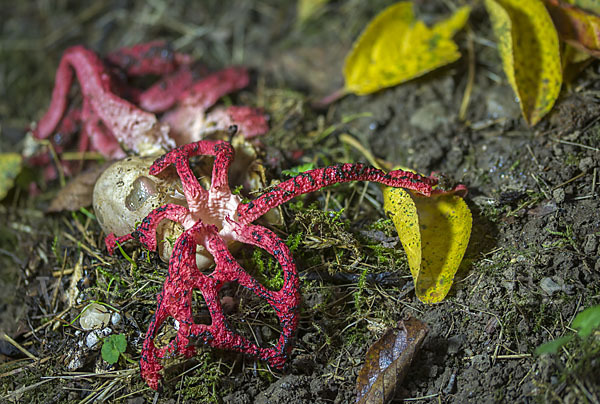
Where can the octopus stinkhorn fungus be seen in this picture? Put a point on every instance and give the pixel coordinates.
(115, 117)
(213, 218)
(125, 194)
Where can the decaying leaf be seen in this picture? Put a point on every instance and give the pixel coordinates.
(306, 9)
(434, 232)
(10, 166)
(529, 48)
(78, 192)
(395, 48)
(589, 5)
(388, 361)
(576, 26)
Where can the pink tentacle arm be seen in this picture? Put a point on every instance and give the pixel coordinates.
(156, 57)
(133, 127)
(206, 92)
(188, 120)
(251, 121)
(285, 301)
(180, 156)
(99, 136)
(165, 93)
(318, 178)
(176, 300)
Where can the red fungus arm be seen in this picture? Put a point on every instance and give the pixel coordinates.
(165, 93)
(251, 121)
(133, 127)
(318, 178)
(145, 232)
(206, 92)
(156, 57)
(176, 299)
(196, 195)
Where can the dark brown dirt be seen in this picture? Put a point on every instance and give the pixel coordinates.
(533, 261)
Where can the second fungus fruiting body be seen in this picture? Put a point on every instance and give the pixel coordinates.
(213, 218)
(116, 117)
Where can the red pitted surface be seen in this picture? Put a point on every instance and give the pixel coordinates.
(312, 180)
(212, 219)
(155, 57)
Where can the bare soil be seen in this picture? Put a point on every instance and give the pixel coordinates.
(532, 264)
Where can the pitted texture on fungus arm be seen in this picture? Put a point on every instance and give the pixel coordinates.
(213, 218)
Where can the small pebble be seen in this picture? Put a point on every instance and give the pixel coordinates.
(590, 244)
(115, 319)
(586, 163)
(559, 195)
(549, 286)
(92, 339)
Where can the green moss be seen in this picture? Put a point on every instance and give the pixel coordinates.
(203, 384)
(359, 299)
(269, 271)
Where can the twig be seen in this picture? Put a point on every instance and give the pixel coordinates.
(578, 176)
(539, 182)
(22, 368)
(23, 390)
(86, 248)
(46, 324)
(470, 76)
(19, 347)
(576, 144)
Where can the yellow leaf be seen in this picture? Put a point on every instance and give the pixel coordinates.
(434, 232)
(529, 48)
(395, 48)
(10, 166)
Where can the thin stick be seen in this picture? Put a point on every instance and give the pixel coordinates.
(86, 248)
(46, 324)
(23, 389)
(576, 144)
(568, 181)
(19, 347)
(470, 76)
(22, 368)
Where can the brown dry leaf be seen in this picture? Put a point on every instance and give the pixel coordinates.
(576, 26)
(590, 5)
(388, 360)
(78, 192)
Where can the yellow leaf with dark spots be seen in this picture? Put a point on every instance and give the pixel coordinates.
(434, 232)
(529, 48)
(395, 48)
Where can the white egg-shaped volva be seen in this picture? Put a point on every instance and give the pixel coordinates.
(126, 193)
